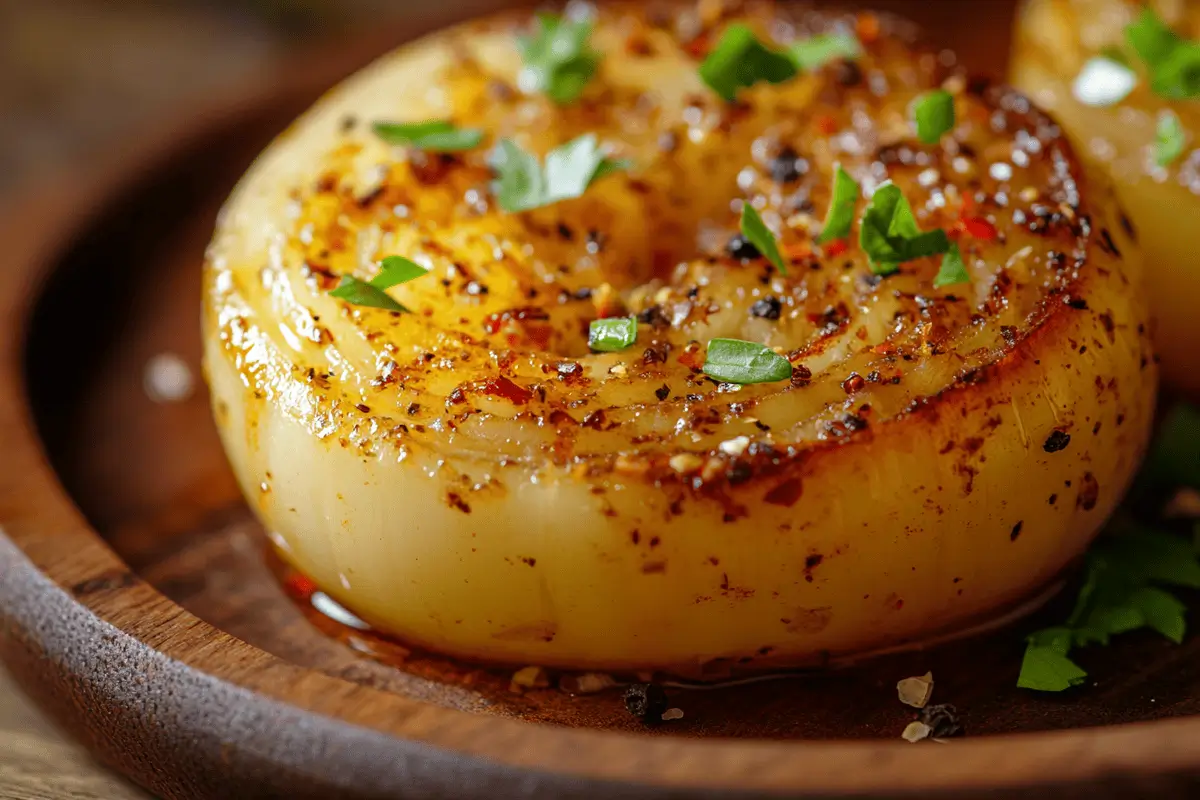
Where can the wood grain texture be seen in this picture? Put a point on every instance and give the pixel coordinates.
(37, 764)
(136, 607)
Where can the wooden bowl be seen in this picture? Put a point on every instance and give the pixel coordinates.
(138, 607)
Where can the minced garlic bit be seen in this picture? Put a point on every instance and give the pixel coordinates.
(686, 462)
(735, 446)
(916, 691)
(586, 683)
(529, 678)
(672, 714)
(916, 731)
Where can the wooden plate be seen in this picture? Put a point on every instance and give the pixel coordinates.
(139, 608)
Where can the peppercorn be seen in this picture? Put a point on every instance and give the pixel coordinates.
(741, 248)
(942, 721)
(787, 166)
(767, 308)
(646, 701)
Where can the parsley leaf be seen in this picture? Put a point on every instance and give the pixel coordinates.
(953, 270)
(815, 52)
(522, 183)
(1046, 668)
(735, 361)
(436, 136)
(1173, 62)
(889, 235)
(612, 334)
(740, 60)
(1118, 595)
(559, 62)
(759, 235)
(1175, 455)
(394, 270)
(1151, 38)
(840, 217)
(933, 113)
(1169, 138)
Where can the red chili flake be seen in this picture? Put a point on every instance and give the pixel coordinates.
(698, 47)
(827, 125)
(979, 228)
(301, 585)
(835, 248)
(503, 387)
(867, 27)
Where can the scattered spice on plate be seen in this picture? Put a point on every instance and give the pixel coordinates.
(942, 720)
(916, 691)
(916, 731)
(646, 701)
(586, 683)
(529, 678)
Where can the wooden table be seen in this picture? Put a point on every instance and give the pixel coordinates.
(38, 763)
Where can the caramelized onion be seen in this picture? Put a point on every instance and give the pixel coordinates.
(471, 478)
(1161, 201)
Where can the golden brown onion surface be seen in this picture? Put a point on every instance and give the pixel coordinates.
(471, 477)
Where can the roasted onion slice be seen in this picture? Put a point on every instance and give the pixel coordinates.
(1062, 60)
(470, 477)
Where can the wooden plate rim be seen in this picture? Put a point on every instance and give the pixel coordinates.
(51, 562)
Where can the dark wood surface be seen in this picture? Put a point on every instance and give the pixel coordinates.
(138, 608)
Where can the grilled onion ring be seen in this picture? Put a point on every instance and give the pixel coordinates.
(471, 478)
(1055, 39)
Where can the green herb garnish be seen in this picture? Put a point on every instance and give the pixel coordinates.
(840, 217)
(933, 113)
(759, 235)
(1173, 62)
(953, 270)
(612, 334)
(740, 60)
(735, 361)
(436, 136)
(1169, 138)
(889, 235)
(394, 270)
(559, 61)
(815, 52)
(1121, 592)
(522, 183)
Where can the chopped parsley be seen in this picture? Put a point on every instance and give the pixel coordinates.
(759, 235)
(1172, 61)
(840, 217)
(933, 113)
(815, 52)
(612, 334)
(735, 361)
(889, 235)
(559, 61)
(1122, 591)
(740, 60)
(394, 270)
(522, 183)
(436, 136)
(1169, 138)
(953, 270)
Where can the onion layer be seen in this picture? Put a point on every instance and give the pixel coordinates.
(471, 478)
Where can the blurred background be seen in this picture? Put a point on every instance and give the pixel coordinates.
(78, 77)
